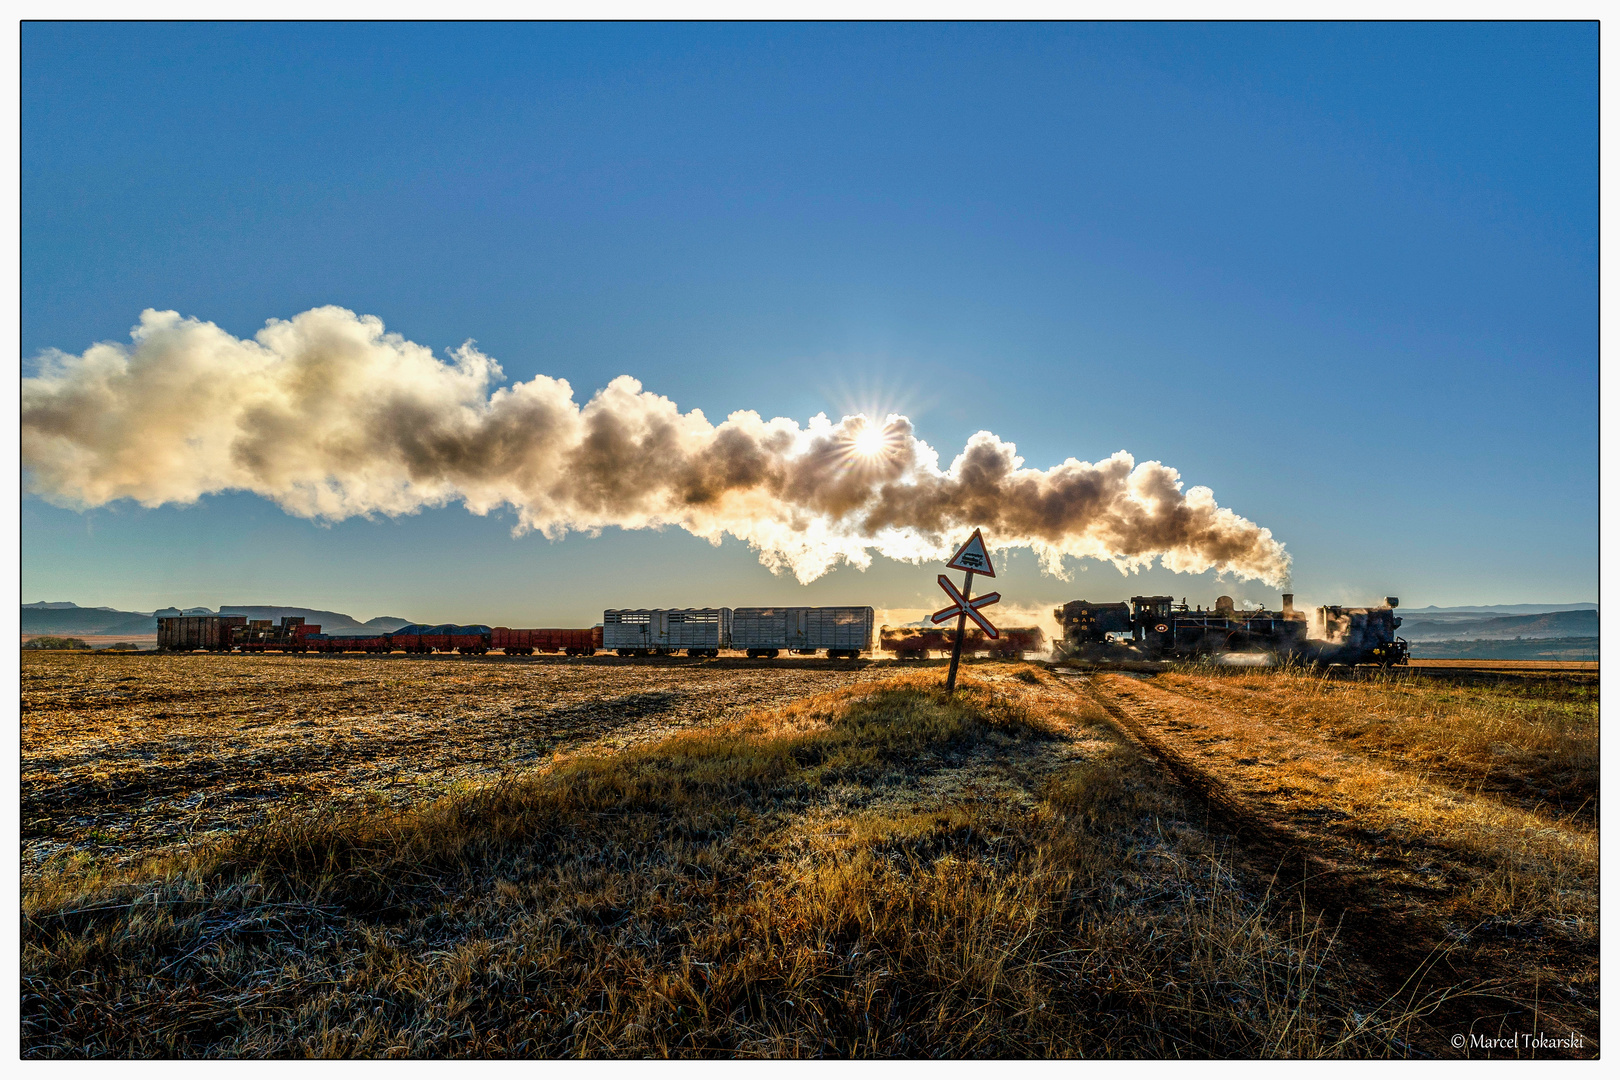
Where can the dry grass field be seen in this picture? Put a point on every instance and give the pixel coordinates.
(258, 856)
(1546, 666)
(124, 756)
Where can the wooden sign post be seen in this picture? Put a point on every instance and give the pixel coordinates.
(971, 558)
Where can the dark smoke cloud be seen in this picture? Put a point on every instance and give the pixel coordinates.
(330, 416)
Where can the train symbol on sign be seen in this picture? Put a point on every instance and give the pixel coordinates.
(972, 557)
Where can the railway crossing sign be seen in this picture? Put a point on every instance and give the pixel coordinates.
(972, 557)
(960, 605)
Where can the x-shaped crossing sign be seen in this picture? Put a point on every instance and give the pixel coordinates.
(970, 608)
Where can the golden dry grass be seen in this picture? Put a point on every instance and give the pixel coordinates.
(1533, 741)
(1471, 808)
(1480, 664)
(873, 870)
(124, 755)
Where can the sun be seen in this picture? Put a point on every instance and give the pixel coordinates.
(871, 442)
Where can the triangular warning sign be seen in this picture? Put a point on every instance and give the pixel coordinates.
(973, 556)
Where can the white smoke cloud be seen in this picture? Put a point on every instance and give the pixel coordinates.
(330, 416)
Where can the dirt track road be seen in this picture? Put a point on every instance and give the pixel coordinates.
(1389, 855)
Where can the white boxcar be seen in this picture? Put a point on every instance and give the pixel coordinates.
(645, 631)
(766, 631)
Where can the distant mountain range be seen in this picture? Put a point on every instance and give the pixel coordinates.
(66, 618)
(1461, 626)
(72, 619)
(1417, 624)
(1499, 609)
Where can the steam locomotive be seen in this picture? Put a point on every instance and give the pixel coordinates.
(1157, 628)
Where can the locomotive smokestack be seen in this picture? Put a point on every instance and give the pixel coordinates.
(331, 417)
(1288, 603)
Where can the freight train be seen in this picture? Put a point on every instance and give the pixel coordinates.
(1157, 628)
(1148, 628)
(842, 632)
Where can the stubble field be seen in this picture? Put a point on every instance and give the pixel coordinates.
(123, 756)
(263, 856)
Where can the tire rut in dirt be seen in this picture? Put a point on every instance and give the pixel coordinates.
(1531, 794)
(1400, 954)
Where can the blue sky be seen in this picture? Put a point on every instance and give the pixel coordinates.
(1344, 275)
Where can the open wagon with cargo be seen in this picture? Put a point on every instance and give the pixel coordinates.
(342, 643)
(292, 635)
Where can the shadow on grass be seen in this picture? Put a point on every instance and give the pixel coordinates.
(784, 885)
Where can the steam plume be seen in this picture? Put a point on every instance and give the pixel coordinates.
(330, 416)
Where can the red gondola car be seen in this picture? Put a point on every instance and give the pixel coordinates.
(529, 642)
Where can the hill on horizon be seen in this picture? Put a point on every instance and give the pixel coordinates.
(1501, 609)
(1418, 624)
(1551, 624)
(58, 617)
